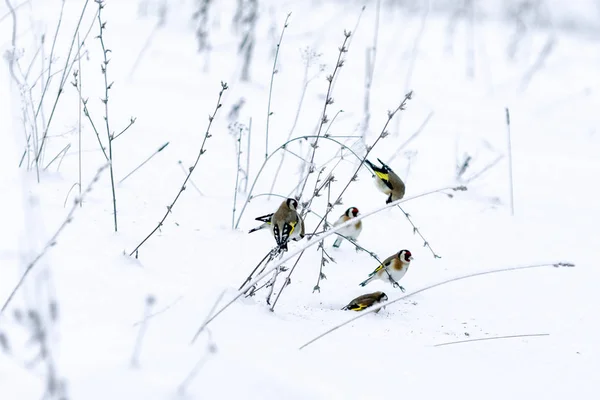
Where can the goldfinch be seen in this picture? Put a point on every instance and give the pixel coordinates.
(366, 301)
(351, 231)
(283, 223)
(387, 181)
(392, 269)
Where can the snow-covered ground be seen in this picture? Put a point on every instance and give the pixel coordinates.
(248, 351)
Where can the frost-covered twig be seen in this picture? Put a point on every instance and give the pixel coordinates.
(273, 72)
(328, 101)
(292, 254)
(191, 169)
(458, 278)
(412, 137)
(370, 57)
(325, 257)
(492, 338)
(211, 348)
(418, 232)
(52, 241)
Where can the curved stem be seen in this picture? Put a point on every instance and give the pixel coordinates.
(272, 154)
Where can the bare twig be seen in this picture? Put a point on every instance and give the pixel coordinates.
(510, 164)
(52, 241)
(492, 338)
(161, 148)
(458, 278)
(107, 87)
(328, 101)
(192, 168)
(418, 232)
(273, 72)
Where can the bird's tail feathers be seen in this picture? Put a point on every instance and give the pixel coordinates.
(337, 242)
(366, 281)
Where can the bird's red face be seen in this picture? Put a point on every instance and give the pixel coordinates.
(405, 256)
(354, 211)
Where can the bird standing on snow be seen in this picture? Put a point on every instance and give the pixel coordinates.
(283, 223)
(351, 231)
(366, 301)
(387, 181)
(392, 269)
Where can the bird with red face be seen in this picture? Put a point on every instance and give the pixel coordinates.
(392, 269)
(352, 231)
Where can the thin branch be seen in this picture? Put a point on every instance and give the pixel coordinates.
(283, 146)
(62, 83)
(510, 163)
(161, 148)
(211, 118)
(418, 232)
(52, 241)
(492, 338)
(328, 100)
(458, 278)
(274, 71)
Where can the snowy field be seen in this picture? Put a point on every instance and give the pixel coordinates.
(92, 322)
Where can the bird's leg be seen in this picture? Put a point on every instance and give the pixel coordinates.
(397, 285)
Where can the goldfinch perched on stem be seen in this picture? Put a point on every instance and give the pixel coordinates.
(387, 181)
(351, 231)
(283, 223)
(392, 269)
(366, 301)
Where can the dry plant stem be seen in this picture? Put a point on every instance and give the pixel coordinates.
(105, 62)
(161, 148)
(210, 313)
(211, 118)
(62, 84)
(510, 163)
(371, 56)
(492, 338)
(383, 134)
(325, 258)
(418, 232)
(185, 172)
(328, 100)
(539, 62)
(412, 137)
(458, 278)
(237, 177)
(150, 316)
(306, 82)
(79, 123)
(317, 239)
(484, 169)
(273, 72)
(52, 241)
(283, 146)
(248, 156)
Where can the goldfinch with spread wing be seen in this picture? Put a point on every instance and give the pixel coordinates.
(392, 269)
(351, 231)
(387, 181)
(366, 301)
(285, 223)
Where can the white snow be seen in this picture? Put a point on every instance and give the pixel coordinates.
(248, 351)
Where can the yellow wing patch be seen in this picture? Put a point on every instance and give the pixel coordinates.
(293, 225)
(383, 175)
(379, 268)
(357, 307)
